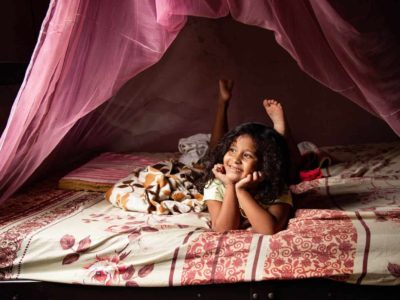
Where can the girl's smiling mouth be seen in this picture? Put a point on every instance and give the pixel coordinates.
(235, 169)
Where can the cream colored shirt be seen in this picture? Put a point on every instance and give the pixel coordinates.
(216, 191)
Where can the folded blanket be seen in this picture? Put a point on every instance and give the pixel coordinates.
(164, 188)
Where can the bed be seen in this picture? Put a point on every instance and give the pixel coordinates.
(61, 238)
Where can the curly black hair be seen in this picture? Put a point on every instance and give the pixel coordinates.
(272, 153)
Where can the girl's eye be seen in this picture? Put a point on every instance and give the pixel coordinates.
(232, 149)
(247, 156)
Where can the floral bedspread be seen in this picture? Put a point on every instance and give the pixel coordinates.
(77, 237)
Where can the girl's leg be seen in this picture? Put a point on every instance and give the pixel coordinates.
(275, 112)
(220, 126)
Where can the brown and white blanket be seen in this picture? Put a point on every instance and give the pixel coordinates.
(164, 188)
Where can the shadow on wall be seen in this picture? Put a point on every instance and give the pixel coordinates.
(177, 96)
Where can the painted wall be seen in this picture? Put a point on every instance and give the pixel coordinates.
(183, 85)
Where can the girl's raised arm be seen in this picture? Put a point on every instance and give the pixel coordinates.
(225, 215)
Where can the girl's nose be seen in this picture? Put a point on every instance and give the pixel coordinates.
(236, 158)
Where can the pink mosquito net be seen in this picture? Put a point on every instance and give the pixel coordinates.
(88, 51)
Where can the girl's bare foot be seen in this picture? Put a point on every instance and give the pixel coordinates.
(225, 89)
(275, 112)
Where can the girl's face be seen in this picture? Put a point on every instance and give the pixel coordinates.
(240, 159)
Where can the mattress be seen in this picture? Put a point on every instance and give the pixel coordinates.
(345, 227)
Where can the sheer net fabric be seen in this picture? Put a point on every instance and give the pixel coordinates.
(89, 50)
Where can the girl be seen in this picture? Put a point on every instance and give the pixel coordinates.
(246, 172)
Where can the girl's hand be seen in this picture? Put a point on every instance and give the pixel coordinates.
(250, 181)
(219, 173)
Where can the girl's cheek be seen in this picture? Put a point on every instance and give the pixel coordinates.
(246, 173)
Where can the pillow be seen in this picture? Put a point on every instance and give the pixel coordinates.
(102, 172)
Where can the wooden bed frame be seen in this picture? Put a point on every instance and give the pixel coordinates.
(277, 289)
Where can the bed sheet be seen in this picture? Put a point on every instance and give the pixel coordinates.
(366, 178)
(77, 237)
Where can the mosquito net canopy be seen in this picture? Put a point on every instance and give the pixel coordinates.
(88, 50)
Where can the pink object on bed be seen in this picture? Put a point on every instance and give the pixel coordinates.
(102, 172)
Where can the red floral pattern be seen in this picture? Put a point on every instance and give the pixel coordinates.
(30, 202)
(12, 238)
(394, 269)
(68, 241)
(317, 243)
(392, 216)
(217, 258)
(305, 186)
(110, 270)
